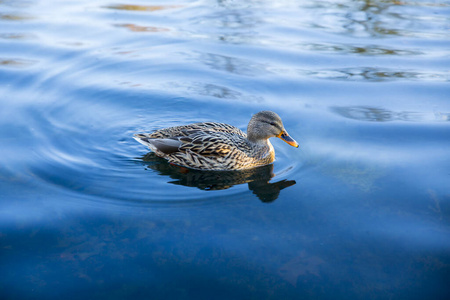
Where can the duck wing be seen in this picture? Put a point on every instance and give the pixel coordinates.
(212, 143)
(186, 130)
(212, 151)
(200, 142)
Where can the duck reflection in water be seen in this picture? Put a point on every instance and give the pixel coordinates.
(257, 178)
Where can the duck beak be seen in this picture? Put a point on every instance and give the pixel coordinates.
(285, 137)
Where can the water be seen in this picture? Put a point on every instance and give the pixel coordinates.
(361, 210)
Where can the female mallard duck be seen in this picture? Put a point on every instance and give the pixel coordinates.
(219, 146)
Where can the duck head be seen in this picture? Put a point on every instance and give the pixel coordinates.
(267, 124)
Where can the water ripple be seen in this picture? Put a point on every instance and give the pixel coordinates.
(371, 74)
(369, 50)
(16, 62)
(376, 114)
(150, 8)
(91, 156)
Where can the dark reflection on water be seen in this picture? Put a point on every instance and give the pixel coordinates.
(216, 91)
(16, 63)
(379, 18)
(16, 36)
(377, 114)
(137, 28)
(234, 22)
(133, 7)
(14, 17)
(232, 65)
(257, 178)
(369, 50)
(370, 74)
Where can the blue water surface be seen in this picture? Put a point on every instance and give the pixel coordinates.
(360, 211)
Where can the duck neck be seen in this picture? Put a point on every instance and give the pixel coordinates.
(262, 148)
(259, 142)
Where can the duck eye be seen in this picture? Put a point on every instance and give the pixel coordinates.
(272, 123)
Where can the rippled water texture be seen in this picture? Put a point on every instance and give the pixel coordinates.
(360, 211)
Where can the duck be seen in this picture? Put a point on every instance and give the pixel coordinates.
(219, 146)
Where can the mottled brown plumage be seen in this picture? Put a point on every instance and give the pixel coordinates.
(219, 146)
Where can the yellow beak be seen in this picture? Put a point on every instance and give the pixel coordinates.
(285, 137)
